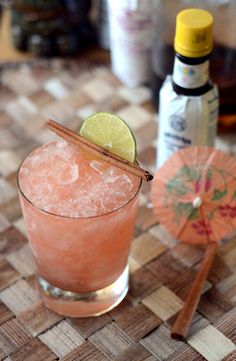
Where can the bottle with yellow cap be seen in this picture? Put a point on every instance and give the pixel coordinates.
(188, 108)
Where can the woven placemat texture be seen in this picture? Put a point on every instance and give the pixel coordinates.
(162, 269)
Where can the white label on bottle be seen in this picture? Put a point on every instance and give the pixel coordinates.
(130, 40)
(185, 120)
(190, 76)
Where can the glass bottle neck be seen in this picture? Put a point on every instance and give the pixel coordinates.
(190, 76)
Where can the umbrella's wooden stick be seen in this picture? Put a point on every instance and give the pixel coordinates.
(184, 319)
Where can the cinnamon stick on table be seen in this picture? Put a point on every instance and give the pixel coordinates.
(98, 151)
(180, 329)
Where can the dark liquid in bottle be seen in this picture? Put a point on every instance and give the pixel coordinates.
(222, 72)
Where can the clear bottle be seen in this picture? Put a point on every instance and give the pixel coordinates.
(223, 59)
(130, 40)
(103, 25)
(188, 99)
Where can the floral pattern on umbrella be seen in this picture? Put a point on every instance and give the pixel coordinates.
(197, 189)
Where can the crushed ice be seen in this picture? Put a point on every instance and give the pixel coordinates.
(61, 182)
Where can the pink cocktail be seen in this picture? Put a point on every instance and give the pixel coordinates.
(79, 214)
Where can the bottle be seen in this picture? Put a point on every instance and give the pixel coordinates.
(130, 23)
(103, 25)
(223, 58)
(189, 103)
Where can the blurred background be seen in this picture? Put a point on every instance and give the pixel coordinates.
(135, 36)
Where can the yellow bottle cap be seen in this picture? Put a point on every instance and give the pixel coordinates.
(193, 36)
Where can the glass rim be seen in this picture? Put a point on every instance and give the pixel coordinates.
(69, 217)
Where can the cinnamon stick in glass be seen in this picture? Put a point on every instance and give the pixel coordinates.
(98, 151)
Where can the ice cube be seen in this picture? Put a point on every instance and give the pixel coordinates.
(121, 182)
(124, 182)
(69, 175)
(61, 172)
(110, 175)
(97, 166)
(65, 151)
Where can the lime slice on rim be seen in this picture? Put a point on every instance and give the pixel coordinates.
(110, 132)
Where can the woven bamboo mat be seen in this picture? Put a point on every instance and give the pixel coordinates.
(162, 269)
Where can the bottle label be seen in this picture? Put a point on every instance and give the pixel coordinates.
(190, 76)
(185, 121)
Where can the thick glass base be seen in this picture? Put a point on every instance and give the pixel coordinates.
(87, 304)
